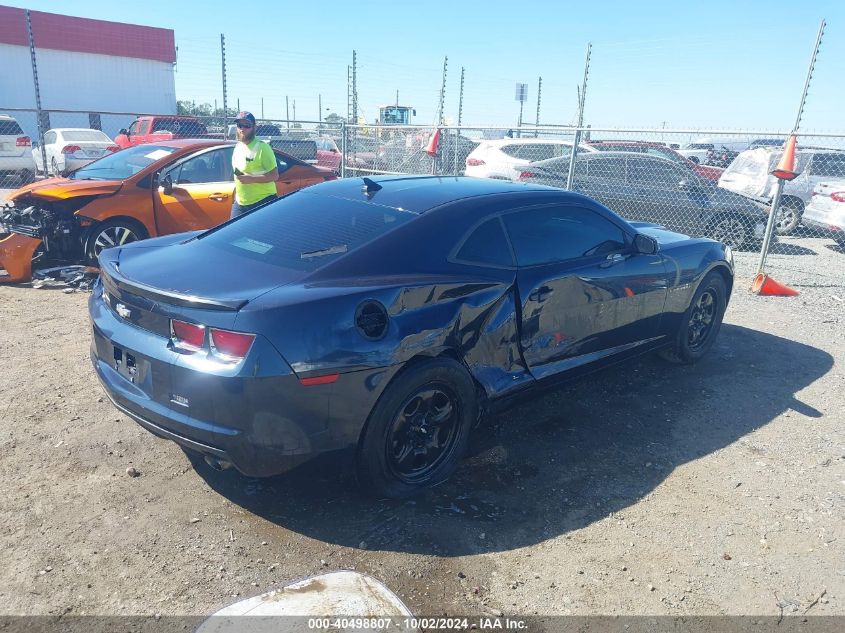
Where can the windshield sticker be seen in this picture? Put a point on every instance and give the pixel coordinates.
(249, 244)
(159, 153)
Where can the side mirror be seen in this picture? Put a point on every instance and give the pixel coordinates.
(645, 245)
(166, 184)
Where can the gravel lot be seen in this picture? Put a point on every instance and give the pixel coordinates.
(649, 489)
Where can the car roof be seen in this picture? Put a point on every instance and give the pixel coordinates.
(419, 194)
(499, 142)
(179, 143)
(73, 129)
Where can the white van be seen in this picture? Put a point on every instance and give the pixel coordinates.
(750, 175)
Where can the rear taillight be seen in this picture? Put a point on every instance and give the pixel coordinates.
(474, 162)
(112, 148)
(188, 337)
(70, 149)
(223, 345)
(526, 174)
(23, 141)
(230, 346)
(839, 196)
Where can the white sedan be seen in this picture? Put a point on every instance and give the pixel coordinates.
(502, 159)
(68, 149)
(825, 213)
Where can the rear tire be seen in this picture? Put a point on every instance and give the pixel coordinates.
(731, 230)
(788, 216)
(700, 322)
(419, 429)
(114, 232)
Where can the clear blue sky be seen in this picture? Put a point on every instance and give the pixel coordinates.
(708, 64)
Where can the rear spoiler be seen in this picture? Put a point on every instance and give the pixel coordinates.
(112, 278)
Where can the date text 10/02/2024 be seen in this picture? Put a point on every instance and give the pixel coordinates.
(425, 624)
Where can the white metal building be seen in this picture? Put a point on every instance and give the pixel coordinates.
(84, 65)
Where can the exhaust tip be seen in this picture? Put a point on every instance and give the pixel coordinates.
(217, 464)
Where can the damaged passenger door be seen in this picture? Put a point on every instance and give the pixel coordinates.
(586, 293)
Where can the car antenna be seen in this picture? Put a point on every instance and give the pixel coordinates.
(370, 186)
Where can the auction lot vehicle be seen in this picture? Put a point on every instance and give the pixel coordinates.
(502, 158)
(657, 149)
(15, 155)
(152, 129)
(142, 191)
(67, 149)
(652, 189)
(750, 175)
(825, 213)
(386, 315)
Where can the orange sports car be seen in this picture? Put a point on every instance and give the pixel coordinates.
(139, 192)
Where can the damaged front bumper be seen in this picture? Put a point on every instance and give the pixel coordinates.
(16, 253)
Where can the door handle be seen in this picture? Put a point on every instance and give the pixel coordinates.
(218, 197)
(540, 294)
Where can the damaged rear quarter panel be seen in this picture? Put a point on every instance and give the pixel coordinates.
(473, 319)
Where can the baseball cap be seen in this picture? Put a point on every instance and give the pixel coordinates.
(243, 115)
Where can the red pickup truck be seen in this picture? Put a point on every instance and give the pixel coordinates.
(150, 129)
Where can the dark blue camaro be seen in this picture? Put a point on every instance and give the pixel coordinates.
(388, 315)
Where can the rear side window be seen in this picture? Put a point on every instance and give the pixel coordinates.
(828, 165)
(305, 231)
(487, 245)
(606, 169)
(558, 233)
(9, 128)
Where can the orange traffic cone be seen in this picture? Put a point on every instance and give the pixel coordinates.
(786, 167)
(768, 287)
(431, 148)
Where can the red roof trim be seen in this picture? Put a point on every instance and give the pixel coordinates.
(83, 35)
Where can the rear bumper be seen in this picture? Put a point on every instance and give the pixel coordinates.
(17, 163)
(257, 416)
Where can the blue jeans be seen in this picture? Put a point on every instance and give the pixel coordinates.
(240, 209)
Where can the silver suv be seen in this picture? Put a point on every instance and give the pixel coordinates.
(750, 175)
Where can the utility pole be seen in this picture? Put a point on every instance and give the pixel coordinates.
(223, 66)
(354, 87)
(287, 112)
(461, 98)
(460, 116)
(262, 107)
(294, 109)
(770, 224)
(37, 93)
(537, 120)
(442, 92)
(582, 94)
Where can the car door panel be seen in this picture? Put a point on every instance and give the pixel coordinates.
(660, 199)
(202, 193)
(585, 308)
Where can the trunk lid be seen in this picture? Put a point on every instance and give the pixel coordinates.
(185, 271)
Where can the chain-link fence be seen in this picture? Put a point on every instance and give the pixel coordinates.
(697, 182)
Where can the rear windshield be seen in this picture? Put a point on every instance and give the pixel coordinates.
(8, 128)
(305, 231)
(85, 135)
(267, 130)
(123, 164)
(303, 150)
(180, 127)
